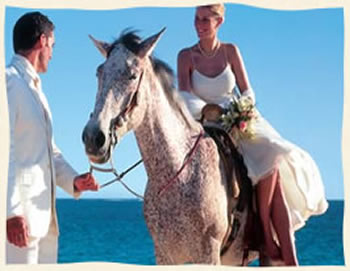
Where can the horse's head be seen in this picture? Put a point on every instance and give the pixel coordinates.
(120, 82)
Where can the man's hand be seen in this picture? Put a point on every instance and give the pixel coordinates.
(17, 231)
(85, 182)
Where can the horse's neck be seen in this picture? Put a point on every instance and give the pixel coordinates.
(164, 137)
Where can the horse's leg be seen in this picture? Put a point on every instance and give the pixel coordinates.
(161, 257)
(208, 252)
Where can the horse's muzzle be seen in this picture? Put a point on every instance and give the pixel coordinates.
(95, 144)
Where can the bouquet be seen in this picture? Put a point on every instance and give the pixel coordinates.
(239, 117)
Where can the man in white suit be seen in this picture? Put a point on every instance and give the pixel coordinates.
(36, 165)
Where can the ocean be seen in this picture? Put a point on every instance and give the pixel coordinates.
(98, 230)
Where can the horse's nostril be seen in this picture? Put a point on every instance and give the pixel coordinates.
(100, 139)
(83, 136)
(94, 139)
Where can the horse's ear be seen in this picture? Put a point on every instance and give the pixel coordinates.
(148, 45)
(103, 47)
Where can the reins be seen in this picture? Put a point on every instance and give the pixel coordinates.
(188, 158)
(118, 177)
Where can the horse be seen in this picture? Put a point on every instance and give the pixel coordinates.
(186, 197)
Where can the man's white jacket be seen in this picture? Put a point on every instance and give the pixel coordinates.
(35, 163)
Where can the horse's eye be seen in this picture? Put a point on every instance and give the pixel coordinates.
(99, 70)
(133, 76)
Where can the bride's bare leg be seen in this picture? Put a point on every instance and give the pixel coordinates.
(265, 193)
(282, 225)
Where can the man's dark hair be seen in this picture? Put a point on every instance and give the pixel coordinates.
(28, 30)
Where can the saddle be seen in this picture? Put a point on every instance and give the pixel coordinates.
(239, 188)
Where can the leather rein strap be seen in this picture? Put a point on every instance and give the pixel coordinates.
(117, 121)
(189, 157)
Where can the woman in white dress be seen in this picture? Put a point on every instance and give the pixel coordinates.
(287, 181)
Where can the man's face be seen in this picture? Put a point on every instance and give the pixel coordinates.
(46, 51)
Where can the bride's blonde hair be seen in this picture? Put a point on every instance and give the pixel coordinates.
(216, 9)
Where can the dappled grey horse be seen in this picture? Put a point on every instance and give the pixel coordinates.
(186, 199)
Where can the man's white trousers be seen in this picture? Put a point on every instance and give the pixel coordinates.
(39, 250)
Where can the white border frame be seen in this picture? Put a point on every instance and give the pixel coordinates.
(113, 4)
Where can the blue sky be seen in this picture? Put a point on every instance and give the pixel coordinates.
(294, 61)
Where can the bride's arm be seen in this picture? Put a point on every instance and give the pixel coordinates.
(238, 68)
(184, 70)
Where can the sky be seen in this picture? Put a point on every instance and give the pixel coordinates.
(294, 61)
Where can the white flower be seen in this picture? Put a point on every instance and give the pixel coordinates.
(239, 117)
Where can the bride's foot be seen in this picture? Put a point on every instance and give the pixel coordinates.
(273, 251)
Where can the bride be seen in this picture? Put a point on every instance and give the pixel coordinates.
(287, 181)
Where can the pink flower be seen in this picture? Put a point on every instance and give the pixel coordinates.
(242, 126)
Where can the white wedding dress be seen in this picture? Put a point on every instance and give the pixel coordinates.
(300, 178)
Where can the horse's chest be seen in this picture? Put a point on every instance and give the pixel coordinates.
(175, 209)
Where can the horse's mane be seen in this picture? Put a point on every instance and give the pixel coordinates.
(162, 70)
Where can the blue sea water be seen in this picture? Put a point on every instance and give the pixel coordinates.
(115, 231)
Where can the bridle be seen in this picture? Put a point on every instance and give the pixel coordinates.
(118, 122)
